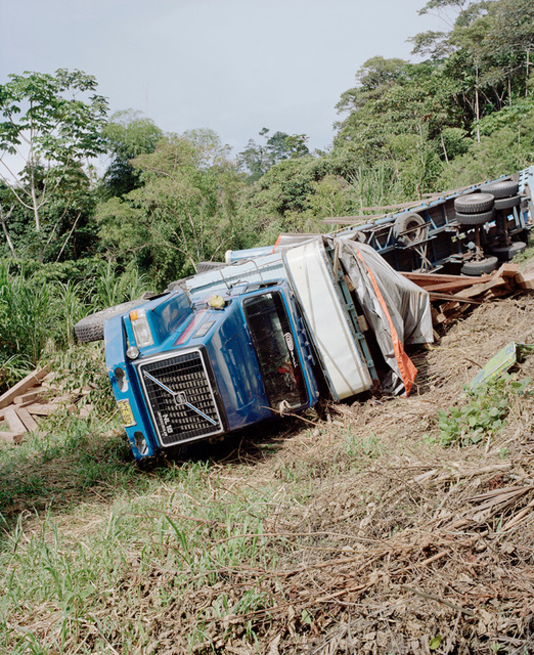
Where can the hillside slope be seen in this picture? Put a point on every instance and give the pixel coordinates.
(356, 533)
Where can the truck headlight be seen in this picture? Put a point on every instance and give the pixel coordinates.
(141, 328)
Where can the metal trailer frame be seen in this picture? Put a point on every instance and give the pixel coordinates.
(447, 242)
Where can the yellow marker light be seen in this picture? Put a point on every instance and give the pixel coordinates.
(141, 328)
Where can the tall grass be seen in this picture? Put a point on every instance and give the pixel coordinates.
(29, 315)
(112, 288)
(37, 315)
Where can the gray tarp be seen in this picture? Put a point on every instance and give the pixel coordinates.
(407, 304)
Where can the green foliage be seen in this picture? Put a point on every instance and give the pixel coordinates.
(46, 121)
(29, 316)
(482, 415)
(39, 306)
(185, 211)
(128, 135)
(256, 159)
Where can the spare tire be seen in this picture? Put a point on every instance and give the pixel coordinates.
(507, 203)
(474, 203)
(505, 253)
(479, 268)
(475, 219)
(91, 328)
(502, 189)
(410, 229)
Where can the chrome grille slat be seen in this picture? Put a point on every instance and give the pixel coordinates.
(186, 377)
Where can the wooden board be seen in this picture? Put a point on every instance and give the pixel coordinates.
(38, 409)
(9, 437)
(11, 418)
(28, 382)
(35, 395)
(27, 419)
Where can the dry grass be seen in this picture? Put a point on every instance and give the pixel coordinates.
(352, 535)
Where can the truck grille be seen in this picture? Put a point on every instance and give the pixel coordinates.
(180, 398)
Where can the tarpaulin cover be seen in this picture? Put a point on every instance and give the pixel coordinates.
(397, 309)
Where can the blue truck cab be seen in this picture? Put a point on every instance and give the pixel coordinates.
(191, 366)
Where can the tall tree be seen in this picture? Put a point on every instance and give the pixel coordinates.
(184, 211)
(257, 159)
(128, 135)
(51, 124)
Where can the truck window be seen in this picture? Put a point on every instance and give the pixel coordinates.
(275, 348)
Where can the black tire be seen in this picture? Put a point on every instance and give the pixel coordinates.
(506, 253)
(475, 219)
(502, 189)
(479, 268)
(507, 203)
(410, 229)
(91, 328)
(474, 203)
(202, 267)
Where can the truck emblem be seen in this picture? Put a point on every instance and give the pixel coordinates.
(289, 341)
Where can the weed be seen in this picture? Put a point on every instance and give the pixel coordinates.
(483, 415)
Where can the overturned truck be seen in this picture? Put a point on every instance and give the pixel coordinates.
(272, 331)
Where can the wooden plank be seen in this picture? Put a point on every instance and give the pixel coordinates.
(435, 278)
(508, 270)
(28, 382)
(13, 421)
(525, 280)
(27, 419)
(34, 396)
(10, 437)
(475, 291)
(448, 286)
(38, 409)
(448, 296)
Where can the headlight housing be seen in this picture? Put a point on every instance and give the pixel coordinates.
(141, 328)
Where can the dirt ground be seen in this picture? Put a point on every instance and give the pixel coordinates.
(401, 545)
(378, 538)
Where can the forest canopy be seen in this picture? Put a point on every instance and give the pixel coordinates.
(462, 112)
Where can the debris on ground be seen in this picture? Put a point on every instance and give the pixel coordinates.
(38, 395)
(503, 361)
(453, 295)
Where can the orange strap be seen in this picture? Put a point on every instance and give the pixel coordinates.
(406, 366)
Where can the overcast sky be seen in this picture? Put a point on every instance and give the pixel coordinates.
(234, 66)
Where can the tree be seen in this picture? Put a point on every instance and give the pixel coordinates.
(258, 159)
(52, 123)
(128, 135)
(184, 211)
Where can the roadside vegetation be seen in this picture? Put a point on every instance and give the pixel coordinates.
(376, 529)
(386, 526)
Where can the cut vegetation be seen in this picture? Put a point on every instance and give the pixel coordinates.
(380, 528)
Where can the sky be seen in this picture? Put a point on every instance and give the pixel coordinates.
(234, 66)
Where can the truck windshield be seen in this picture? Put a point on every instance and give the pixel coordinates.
(275, 347)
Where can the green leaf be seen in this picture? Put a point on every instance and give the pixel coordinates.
(435, 642)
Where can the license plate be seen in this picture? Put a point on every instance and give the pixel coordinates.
(126, 413)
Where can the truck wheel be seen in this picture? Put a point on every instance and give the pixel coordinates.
(475, 219)
(474, 203)
(479, 268)
(507, 203)
(502, 189)
(91, 328)
(410, 229)
(505, 253)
